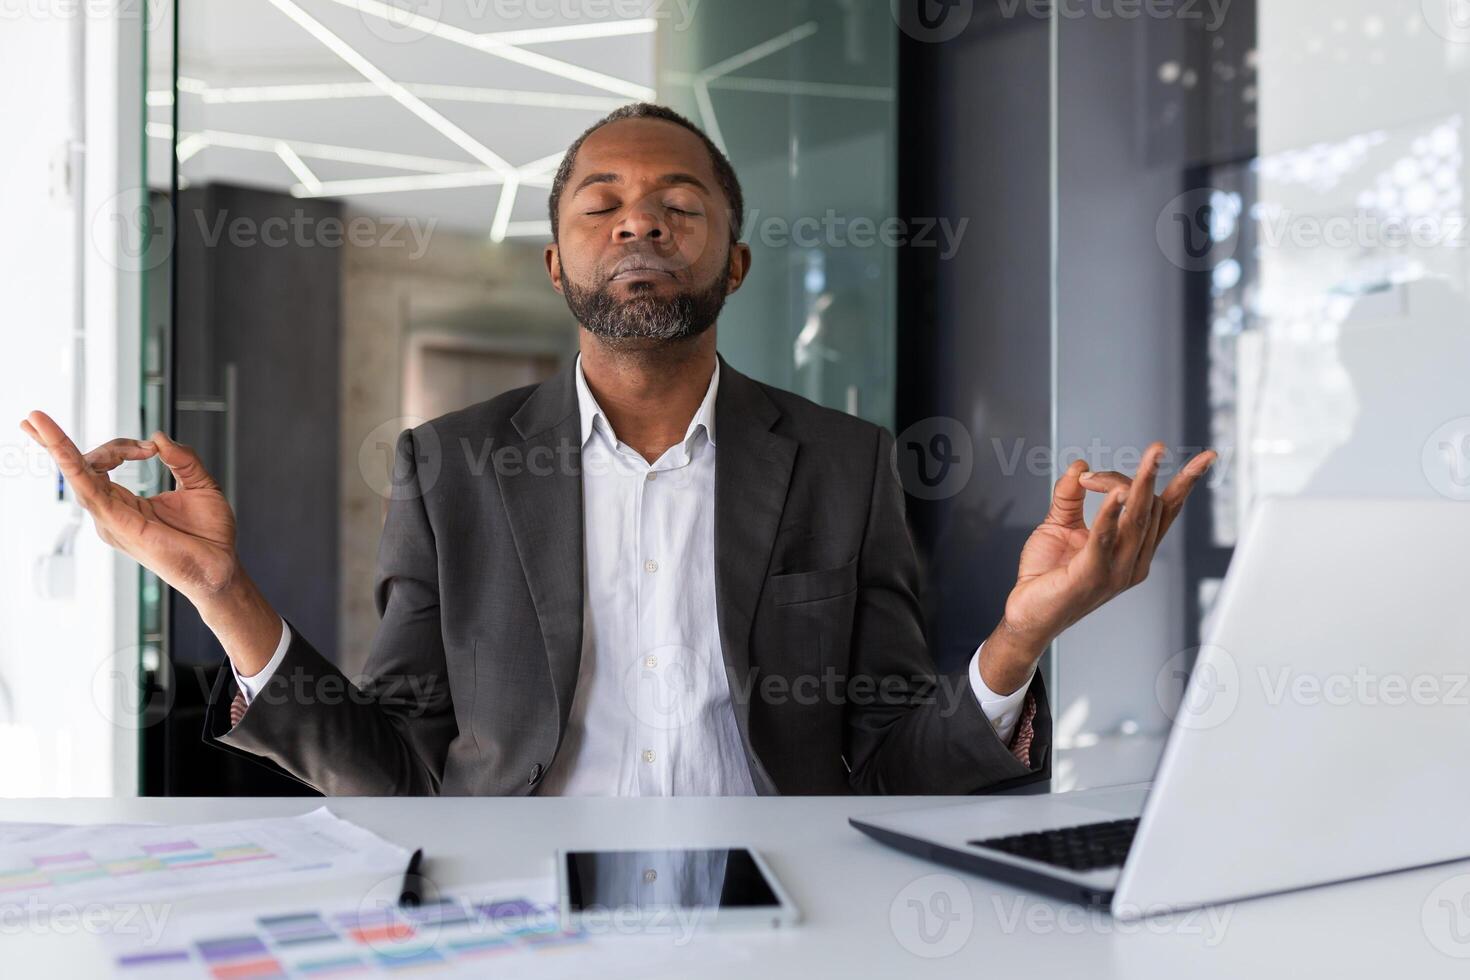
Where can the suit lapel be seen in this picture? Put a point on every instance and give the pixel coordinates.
(542, 490)
(752, 473)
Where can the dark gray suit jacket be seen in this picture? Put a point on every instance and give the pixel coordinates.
(472, 672)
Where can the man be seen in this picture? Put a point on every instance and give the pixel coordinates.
(650, 574)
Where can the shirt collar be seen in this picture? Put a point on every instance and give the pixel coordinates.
(592, 413)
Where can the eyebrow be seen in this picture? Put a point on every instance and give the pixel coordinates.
(608, 177)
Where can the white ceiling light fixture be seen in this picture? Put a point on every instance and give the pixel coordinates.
(548, 163)
(328, 91)
(298, 167)
(491, 44)
(312, 151)
(533, 174)
(365, 186)
(573, 32)
(529, 229)
(190, 146)
(783, 86)
(503, 209)
(364, 75)
(396, 91)
(165, 97)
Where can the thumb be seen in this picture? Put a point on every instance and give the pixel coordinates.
(1068, 497)
(189, 473)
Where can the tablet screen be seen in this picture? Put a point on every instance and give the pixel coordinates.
(693, 879)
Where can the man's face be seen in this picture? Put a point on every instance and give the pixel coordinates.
(644, 253)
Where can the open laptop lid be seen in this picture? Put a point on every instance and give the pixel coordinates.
(1323, 732)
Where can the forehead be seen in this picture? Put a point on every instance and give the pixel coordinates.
(643, 148)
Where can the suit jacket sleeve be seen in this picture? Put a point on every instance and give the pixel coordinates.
(388, 734)
(918, 732)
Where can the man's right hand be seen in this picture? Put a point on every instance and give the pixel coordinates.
(185, 536)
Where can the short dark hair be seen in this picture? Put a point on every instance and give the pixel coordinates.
(724, 173)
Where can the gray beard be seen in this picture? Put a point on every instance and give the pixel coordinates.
(646, 317)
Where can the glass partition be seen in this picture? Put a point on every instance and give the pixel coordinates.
(1261, 248)
(358, 194)
(801, 96)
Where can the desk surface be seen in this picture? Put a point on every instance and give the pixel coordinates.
(855, 895)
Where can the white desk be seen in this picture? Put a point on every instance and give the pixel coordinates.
(847, 887)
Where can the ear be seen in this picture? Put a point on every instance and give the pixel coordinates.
(553, 265)
(740, 259)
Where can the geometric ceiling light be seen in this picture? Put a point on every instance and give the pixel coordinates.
(360, 187)
(503, 210)
(393, 89)
(572, 32)
(196, 141)
(497, 46)
(297, 166)
(324, 91)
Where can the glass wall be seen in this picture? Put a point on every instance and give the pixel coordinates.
(1261, 247)
(359, 197)
(801, 96)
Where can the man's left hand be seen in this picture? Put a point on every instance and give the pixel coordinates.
(1069, 569)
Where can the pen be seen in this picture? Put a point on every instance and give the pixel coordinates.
(412, 892)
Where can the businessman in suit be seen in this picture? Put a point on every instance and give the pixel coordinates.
(649, 575)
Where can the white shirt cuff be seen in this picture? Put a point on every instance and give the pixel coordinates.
(1003, 710)
(252, 685)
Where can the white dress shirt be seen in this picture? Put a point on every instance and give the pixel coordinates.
(652, 714)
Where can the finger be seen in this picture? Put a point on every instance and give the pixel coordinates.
(1068, 497)
(1104, 481)
(189, 473)
(1150, 543)
(111, 455)
(87, 486)
(1102, 538)
(1139, 507)
(1183, 484)
(40, 427)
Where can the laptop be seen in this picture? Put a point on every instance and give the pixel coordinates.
(1320, 737)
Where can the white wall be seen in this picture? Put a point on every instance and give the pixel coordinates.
(63, 729)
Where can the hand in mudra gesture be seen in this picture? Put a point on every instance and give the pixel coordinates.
(1068, 569)
(186, 536)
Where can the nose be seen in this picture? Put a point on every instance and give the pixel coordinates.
(643, 222)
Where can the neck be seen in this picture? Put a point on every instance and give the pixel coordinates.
(649, 393)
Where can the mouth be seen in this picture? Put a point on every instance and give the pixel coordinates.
(640, 269)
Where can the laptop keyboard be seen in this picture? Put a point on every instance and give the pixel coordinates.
(1085, 848)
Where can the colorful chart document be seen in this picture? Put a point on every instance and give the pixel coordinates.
(496, 929)
(145, 862)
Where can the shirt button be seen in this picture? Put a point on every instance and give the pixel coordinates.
(650, 661)
(650, 566)
(652, 476)
(648, 756)
(650, 876)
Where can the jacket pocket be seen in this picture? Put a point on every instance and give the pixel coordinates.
(828, 583)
